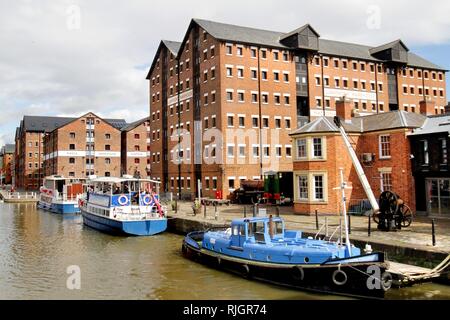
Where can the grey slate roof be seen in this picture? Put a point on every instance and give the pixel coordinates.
(386, 46)
(434, 124)
(8, 149)
(378, 122)
(49, 124)
(173, 46)
(133, 125)
(43, 124)
(233, 33)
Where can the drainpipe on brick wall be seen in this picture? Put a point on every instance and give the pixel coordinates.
(179, 128)
(376, 88)
(323, 85)
(260, 114)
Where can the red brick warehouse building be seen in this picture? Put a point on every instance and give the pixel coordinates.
(228, 77)
(6, 162)
(84, 146)
(135, 158)
(29, 153)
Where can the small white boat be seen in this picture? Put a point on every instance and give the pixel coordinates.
(124, 206)
(60, 195)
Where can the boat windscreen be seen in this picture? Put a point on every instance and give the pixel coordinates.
(255, 227)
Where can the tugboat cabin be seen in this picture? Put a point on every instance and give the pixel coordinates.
(266, 240)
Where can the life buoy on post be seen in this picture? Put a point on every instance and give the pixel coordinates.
(123, 200)
(336, 275)
(147, 199)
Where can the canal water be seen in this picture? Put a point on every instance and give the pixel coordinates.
(37, 248)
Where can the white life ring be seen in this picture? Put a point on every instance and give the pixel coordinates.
(147, 200)
(123, 200)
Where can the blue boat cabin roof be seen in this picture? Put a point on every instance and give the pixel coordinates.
(255, 220)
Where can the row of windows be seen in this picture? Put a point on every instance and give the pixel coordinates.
(344, 64)
(344, 82)
(411, 90)
(238, 50)
(412, 108)
(255, 151)
(358, 105)
(276, 75)
(90, 134)
(255, 122)
(72, 146)
(412, 73)
(255, 97)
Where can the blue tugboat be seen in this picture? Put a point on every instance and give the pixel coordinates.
(124, 206)
(60, 195)
(261, 248)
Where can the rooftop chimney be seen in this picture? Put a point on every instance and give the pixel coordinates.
(447, 108)
(428, 107)
(344, 109)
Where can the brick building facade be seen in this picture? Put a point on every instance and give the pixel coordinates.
(84, 146)
(29, 153)
(249, 84)
(382, 145)
(135, 158)
(6, 163)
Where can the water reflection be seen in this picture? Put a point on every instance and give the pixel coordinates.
(36, 248)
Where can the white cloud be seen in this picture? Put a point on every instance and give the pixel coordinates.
(50, 66)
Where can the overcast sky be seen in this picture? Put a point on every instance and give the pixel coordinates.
(66, 58)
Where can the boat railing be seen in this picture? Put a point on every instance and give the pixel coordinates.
(21, 195)
(325, 227)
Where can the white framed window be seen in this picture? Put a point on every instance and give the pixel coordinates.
(317, 148)
(242, 149)
(319, 187)
(229, 49)
(303, 187)
(302, 151)
(230, 150)
(385, 146)
(386, 181)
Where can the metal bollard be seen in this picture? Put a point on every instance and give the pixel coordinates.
(255, 210)
(205, 211)
(216, 213)
(245, 212)
(326, 227)
(349, 224)
(317, 220)
(433, 227)
(278, 212)
(176, 207)
(369, 229)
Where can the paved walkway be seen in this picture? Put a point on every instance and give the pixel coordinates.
(418, 236)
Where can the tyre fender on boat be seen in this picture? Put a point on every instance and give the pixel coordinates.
(336, 275)
(246, 271)
(386, 281)
(298, 273)
(183, 248)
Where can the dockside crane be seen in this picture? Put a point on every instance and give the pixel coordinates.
(390, 212)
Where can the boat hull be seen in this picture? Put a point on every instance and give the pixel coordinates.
(328, 279)
(124, 228)
(59, 208)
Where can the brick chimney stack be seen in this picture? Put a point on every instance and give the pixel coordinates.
(428, 107)
(344, 109)
(447, 108)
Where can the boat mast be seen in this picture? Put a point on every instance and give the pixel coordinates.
(344, 212)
